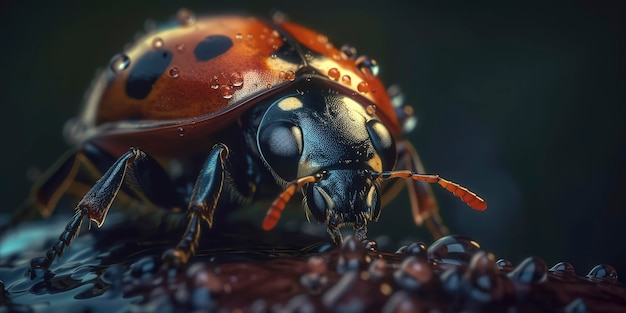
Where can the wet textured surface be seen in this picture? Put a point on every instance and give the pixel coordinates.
(118, 269)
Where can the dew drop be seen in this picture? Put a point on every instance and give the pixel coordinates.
(174, 72)
(180, 47)
(316, 264)
(483, 278)
(370, 109)
(315, 278)
(340, 289)
(269, 86)
(413, 273)
(531, 270)
(363, 87)
(215, 82)
(227, 91)
(417, 249)
(604, 273)
(239, 36)
(352, 255)
(452, 279)
(377, 268)
(281, 75)
(181, 131)
(563, 268)
(186, 17)
(236, 79)
(367, 65)
(504, 265)
(456, 250)
(348, 52)
(334, 73)
(273, 55)
(119, 63)
(346, 79)
(157, 43)
(290, 75)
(370, 244)
(314, 281)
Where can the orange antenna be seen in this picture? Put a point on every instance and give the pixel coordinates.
(470, 198)
(275, 211)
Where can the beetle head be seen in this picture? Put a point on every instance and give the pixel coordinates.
(304, 134)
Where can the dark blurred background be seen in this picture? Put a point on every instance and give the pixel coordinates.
(524, 103)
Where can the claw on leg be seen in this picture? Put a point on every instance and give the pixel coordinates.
(186, 247)
(66, 237)
(202, 203)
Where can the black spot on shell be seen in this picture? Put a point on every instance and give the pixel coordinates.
(288, 53)
(211, 47)
(146, 71)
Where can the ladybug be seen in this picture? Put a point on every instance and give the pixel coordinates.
(245, 109)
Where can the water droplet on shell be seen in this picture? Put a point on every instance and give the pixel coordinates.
(604, 273)
(456, 250)
(119, 63)
(531, 270)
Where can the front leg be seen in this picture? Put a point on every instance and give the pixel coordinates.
(202, 203)
(95, 204)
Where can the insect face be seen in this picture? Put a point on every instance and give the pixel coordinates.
(305, 134)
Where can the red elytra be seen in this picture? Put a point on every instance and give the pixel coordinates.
(191, 97)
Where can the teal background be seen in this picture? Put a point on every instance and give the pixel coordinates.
(523, 102)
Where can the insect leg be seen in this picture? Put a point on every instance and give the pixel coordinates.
(202, 203)
(95, 204)
(73, 174)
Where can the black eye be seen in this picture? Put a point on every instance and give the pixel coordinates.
(383, 143)
(280, 144)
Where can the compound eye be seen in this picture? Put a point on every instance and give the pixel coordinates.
(383, 143)
(280, 144)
